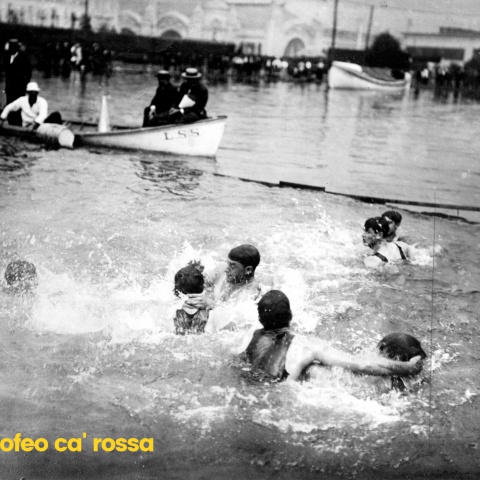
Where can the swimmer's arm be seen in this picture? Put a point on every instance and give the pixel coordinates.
(214, 275)
(304, 351)
(201, 301)
(369, 365)
(409, 250)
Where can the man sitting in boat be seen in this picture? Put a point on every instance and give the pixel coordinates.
(376, 231)
(276, 351)
(33, 109)
(191, 101)
(165, 98)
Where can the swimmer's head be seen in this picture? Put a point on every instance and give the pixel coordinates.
(190, 279)
(400, 346)
(21, 275)
(376, 228)
(241, 264)
(274, 310)
(394, 220)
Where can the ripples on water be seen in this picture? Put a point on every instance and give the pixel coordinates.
(93, 350)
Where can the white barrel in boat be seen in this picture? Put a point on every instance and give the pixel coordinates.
(57, 135)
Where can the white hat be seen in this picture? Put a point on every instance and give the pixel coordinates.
(191, 73)
(32, 87)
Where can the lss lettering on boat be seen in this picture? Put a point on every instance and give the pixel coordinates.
(183, 133)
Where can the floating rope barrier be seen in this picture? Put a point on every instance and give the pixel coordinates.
(366, 199)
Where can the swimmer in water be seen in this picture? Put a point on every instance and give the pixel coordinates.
(229, 284)
(188, 319)
(402, 347)
(21, 276)
(394, 220)
(376, 230)
(276, 351)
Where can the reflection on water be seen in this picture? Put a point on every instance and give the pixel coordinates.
(170, 176)
(94, 351)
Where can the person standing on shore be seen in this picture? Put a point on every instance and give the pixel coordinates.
(18, 71)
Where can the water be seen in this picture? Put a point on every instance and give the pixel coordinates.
(93, 350)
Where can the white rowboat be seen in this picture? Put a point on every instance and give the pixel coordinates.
(201, 138)
(343, 75)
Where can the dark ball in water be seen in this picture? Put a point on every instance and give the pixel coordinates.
(400, 346)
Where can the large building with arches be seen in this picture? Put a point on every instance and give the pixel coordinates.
(268, 27)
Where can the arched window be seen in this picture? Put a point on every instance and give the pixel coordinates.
(171, 34)
(294, 46)
(127, 31)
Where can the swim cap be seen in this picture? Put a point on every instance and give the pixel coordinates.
(395, 217)
(189, 279)
(377, 224)
(274, 310)
(246, 254)
(401, 346)
(20, 271)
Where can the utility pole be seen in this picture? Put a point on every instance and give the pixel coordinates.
(369, 29)
(86, 19)
(334, 29)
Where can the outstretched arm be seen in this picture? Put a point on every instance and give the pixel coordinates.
(304, 351)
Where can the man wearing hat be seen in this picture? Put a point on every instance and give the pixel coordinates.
(33, 109)
(18, 71)
(165, 98)
(194, 95)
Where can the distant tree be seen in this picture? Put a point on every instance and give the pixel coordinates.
(85, 24)
(472, 76)
(386, 52)
(104, 28)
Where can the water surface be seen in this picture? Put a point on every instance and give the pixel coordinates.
(93, 350)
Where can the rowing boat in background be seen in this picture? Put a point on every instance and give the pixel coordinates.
(350, 76)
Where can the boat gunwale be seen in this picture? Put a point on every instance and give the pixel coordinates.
(130, 131)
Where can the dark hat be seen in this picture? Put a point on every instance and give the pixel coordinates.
(377, 224)
(246, 254)
(394, 216)
(274, 310)
(191, 73)
(163, 74)
(20, 271)
(401, 346)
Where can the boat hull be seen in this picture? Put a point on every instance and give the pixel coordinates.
(349, 76)
(201, 138)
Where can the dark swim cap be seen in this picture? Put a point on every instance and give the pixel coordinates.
(274, 310)
(401, 346)
(20, 271)
(246, 254)
(395, 217)
(377, 224)
(190, 279)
